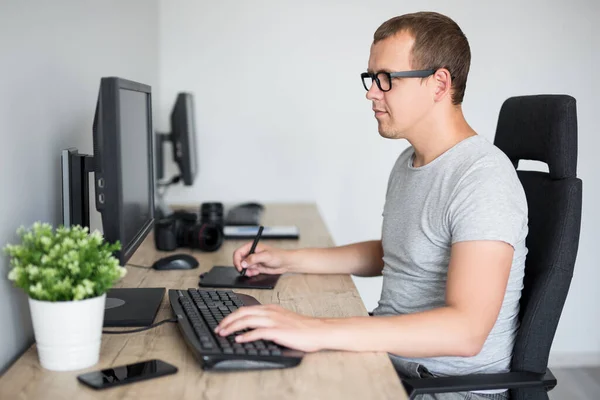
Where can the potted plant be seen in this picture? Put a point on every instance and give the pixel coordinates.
(66, 274)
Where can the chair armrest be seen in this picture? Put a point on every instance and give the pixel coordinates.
(508, 380)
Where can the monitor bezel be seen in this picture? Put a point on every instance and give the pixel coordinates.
(181, 133)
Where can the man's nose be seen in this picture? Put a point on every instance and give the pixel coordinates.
(374, 93)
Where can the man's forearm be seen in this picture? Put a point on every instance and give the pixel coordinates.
(439, 332)
(363, 259)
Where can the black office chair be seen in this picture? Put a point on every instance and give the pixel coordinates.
(543, 128)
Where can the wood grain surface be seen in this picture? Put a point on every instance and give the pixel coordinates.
(323, 375)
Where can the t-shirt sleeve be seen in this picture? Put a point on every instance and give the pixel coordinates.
(488, 204)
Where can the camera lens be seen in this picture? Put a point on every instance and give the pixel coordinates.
(212, 213)
(206, 237)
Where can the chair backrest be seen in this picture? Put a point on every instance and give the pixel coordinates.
(544, 128)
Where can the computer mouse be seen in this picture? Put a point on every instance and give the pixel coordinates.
(176, 261)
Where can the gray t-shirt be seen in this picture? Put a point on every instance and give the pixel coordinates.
(470, 192)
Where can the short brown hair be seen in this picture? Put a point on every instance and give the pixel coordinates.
(439, 43)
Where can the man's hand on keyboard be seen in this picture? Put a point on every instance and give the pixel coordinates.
(274, 323)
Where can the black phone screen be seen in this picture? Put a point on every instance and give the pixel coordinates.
(127, 373)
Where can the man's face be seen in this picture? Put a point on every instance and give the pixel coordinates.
(401, 109)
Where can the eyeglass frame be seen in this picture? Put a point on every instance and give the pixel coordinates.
(419, 73)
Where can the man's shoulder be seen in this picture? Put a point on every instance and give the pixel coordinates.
(483, 158)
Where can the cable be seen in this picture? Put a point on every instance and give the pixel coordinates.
(174, 319)
(170, 182)
(137, 266)
(173, 180)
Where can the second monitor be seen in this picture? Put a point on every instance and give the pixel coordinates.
(182, 138)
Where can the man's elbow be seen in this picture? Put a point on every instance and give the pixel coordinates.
(470, 349)
(470, 345)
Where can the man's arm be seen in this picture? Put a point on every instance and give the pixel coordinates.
(477, 280)
(362, 259)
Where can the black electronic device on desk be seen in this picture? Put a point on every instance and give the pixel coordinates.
(132, 306)
(125, 374)
(245, 214)
(229, 277)
(200, 311)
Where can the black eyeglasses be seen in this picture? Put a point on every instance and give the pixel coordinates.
(384, 79)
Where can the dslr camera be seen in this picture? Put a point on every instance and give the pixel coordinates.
(182, 229)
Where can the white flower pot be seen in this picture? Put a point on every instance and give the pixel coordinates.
(68, 333)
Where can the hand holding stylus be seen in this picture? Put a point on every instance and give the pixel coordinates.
(253, 258)
(253, 248)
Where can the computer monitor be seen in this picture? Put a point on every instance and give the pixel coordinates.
(182, 138)
(122, 166)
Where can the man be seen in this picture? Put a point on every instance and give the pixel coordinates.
(452, 250)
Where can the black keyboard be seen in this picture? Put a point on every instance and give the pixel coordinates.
(200, 311)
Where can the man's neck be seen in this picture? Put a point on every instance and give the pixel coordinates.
(438, 136)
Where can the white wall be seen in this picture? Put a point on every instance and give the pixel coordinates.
(53, 56)
(282, 115)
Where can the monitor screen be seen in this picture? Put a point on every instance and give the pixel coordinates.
(135, 164)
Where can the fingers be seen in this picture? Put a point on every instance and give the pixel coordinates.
(263, 257)
(258, 334)
(251, 321)
(243, 312)
(239, 254)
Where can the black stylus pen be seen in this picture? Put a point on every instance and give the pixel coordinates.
(256, 239)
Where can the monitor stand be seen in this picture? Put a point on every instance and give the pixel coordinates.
(132, 306)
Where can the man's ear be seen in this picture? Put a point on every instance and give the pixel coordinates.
(442, 84)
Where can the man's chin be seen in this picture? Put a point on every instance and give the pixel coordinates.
(388, 134)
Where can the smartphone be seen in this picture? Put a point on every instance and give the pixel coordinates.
(127, 374)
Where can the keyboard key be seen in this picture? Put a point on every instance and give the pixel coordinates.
(264, 352)
(252, 352)
(228, 351)
(240, 351)
(276, 352)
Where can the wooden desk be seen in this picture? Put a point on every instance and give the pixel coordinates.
(324, 375)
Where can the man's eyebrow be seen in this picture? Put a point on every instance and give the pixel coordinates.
(370, 71)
